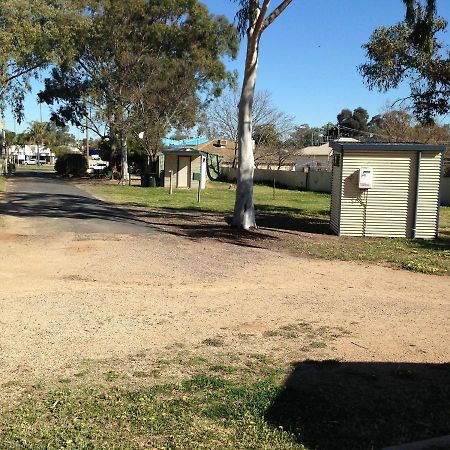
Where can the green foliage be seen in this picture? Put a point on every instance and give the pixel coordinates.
(34, 34)
(149, 80)
(356, 120)
(71, 164)
(411, 50)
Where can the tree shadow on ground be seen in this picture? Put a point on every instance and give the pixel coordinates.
(203, 225)
(284, 210)
(329, 405)
(200, 226)
(441, 243)
(283, 222)
(25, 204)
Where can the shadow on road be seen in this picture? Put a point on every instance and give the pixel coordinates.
(329, 405)
(24, 204)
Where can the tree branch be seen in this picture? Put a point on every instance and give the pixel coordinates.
(275, 13)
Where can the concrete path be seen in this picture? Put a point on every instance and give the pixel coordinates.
(51, 205)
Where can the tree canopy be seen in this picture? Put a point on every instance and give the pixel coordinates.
(412, 51)
(356, 120)
(142, 67)
(34, 34)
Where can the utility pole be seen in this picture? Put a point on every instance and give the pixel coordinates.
(87, 140)
(38, 162)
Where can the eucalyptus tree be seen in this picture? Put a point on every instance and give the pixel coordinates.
(33, 35)
(254, 17)
(412, 51)
(142, 68)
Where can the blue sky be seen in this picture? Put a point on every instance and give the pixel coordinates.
(309, 57)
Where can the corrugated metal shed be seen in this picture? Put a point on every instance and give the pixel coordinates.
(403, 197)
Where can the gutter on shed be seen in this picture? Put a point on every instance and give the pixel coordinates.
(416, 197)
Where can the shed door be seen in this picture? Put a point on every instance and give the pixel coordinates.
(184, 172)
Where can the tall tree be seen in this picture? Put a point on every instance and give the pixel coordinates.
(411, 50)
(398, 125)
(147, 80)
(352, 123)
(220, 119)
(33, 35)
(254, 17)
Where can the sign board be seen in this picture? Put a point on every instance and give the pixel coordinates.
(365, 178)
(196, 176)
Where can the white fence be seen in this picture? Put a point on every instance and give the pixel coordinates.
(312, 181)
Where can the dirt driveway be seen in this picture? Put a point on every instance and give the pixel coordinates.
(71, 293)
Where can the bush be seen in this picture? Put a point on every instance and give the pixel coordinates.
(71, 164)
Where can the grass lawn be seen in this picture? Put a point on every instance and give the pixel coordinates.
(303, 211)
(42, 167)
(237, 403)
(218, 197)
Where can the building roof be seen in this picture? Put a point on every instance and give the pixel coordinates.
(317, 150)
(221, 147)
(385, 146)
(182, 151)
(324, 149)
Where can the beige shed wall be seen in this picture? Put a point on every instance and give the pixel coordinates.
(171, 163)
(387, 209)
(428, 195)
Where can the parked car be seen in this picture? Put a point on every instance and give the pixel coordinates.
(30, 162)
(98, 167)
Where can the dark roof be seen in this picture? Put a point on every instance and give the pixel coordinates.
(386, 146)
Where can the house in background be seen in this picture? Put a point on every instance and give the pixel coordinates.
(223, 153)
(223, 149)
(318, 157)
(21, 154)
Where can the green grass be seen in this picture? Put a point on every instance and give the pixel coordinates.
(205, 411)
(42, 167)
(426, 256)
(302, 211)
(218, 197)
(247, 404)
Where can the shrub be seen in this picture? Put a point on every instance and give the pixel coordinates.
(71, 164)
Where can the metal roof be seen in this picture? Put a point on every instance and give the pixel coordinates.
(183, 151)
(386, 146)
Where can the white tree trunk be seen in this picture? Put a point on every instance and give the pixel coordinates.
(125, 173)
(244, 210)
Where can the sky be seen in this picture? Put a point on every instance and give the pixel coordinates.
(309, 58)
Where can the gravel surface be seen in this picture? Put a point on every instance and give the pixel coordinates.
(84, 281)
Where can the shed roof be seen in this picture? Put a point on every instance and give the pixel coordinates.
(386, 146)
(183, 151)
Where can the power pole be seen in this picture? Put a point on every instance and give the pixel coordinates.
(42, 136)
(87, 140)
